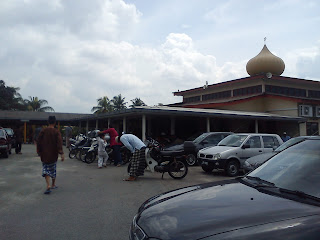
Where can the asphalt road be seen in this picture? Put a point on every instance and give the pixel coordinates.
(90, 203)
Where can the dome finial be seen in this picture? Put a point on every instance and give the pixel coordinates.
(265, 39)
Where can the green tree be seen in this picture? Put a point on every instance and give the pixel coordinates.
(104, 105)
(137, 102)
(10, 99)
(35, 104)
(118, 103)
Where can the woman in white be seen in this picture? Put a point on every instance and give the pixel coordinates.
(102, 154)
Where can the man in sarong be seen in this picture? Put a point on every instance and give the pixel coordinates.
(49, 146)
(138, 159)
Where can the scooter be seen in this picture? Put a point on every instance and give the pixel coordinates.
(176, 167)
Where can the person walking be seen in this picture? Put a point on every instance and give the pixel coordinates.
(102, 153)
(138, 159)
(36, 134)
(114, 145)
(68, 132)
(18, 138)
(49, 146)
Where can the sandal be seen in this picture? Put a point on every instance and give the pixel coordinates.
(48, 191)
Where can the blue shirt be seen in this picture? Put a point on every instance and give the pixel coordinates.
(132, 142)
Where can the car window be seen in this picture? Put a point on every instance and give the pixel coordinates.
(295, 168)
(233, 140)
(214, 139)
(2, 133)
(270, 141)
(254, 142)
(200, 138)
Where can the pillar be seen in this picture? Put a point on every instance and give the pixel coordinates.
(124, 124)
(97, 124)
(24, 132)
(173, 126)
(144, 125)
(87, 127)
(303, 129)
(256, 127)
(208, 124)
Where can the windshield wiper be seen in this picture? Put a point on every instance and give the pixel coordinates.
(262, 182)
(299, 194)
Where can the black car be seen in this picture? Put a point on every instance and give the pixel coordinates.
(11, 135)
(5, 145)
(190, 148)
(278, 200)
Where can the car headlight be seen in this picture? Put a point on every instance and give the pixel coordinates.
(136, 232)
(217, 156)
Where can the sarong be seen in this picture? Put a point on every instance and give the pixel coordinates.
(138, 163)
(49, 169)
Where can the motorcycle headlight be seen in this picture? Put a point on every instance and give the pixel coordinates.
(136, 232)
(217, 156)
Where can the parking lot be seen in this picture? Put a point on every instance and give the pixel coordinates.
(90, 203)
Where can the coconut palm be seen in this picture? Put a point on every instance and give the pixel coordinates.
(104, 105)
(37, 105)
(118, 102)
(10, 99)
(137, 102)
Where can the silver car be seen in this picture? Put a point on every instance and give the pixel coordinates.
(231, 153)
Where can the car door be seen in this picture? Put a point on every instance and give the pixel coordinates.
(270, 143)
(251, 147)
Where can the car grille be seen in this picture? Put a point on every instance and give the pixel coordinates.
(205, 156)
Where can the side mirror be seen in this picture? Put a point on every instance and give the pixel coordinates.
(244, 146)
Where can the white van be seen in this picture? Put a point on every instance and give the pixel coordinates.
(231, 153)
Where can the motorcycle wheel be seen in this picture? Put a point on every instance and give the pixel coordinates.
(78, 152)
(83, 153)
(191, 159)
(178, 169)
(72, 154)
(90, 157)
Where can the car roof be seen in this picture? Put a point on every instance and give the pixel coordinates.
(258, 134)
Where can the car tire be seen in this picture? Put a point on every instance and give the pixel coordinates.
(191, 159)
(207, 169)
(232, 168)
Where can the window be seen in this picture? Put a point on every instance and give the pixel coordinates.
(254, 142)
(247, 91)
(218, 95)
(191, 99)
(313, 94)
(214, 139)
(295, 92)
(270, 142)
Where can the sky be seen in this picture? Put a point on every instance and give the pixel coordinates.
(72, 52)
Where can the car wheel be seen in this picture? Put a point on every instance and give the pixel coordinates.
(191, 159)
(207, 169)
(232, 168)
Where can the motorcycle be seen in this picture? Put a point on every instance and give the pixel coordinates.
(74, 147)
(176, 166)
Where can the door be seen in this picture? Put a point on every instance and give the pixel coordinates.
(253, 147)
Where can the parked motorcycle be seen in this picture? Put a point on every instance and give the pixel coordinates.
(74, 147)
(176, 166)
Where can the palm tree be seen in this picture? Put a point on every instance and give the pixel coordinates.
(137, 102)
(118, 103)
(36, 105)
(10, 99)
(104, 105)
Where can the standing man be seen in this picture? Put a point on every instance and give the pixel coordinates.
(285, 137)
(114, 145)
(138, 159)
(49, 145)
(68, 132)
(18, 137)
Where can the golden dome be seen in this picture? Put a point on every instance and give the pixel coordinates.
(265, 62)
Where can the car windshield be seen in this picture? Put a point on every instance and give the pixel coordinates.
(233, 140)
(296, 168)
(200, 138)
(289, 143)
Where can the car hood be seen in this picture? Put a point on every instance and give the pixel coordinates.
(261, 158)
(216, 149)
(210, 209)
(174, 148)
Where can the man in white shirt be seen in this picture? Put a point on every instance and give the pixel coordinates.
(138, 159)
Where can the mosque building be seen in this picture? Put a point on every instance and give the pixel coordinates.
(264, 91)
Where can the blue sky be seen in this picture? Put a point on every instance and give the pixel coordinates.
(73, 52)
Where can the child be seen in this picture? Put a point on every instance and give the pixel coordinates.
(102, 154)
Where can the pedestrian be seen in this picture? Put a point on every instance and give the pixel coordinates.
(138, 159)
(102, 153)
(285, 137)
(36, 134)
(114, 145)
(68, 132)
(18, 138)
(49, 146)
